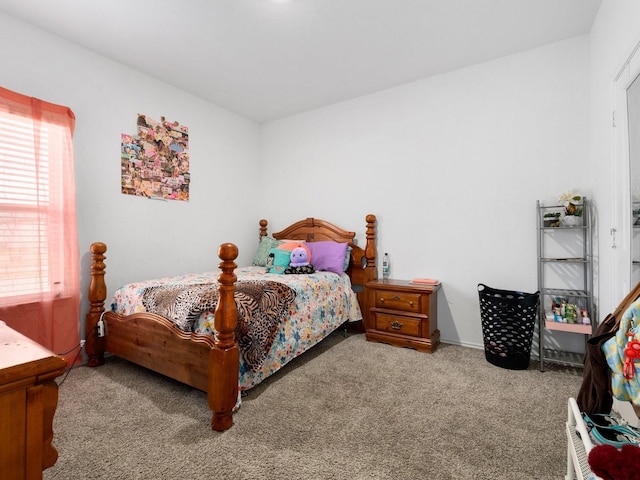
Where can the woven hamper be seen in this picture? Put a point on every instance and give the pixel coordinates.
(508, 319)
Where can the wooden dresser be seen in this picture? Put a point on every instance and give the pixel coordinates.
(28, 401)
(402, 314)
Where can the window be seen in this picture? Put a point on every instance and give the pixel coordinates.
(24, 197)
(39, 271)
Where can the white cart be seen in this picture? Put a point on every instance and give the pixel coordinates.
(578, 445)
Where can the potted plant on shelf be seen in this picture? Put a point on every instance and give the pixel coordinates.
(551, 219)
(573, 209)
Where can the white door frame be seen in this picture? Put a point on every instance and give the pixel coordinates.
(621, 234)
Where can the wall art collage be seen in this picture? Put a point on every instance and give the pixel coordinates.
(155, 161)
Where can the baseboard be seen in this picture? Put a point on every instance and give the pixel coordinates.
(462, 344)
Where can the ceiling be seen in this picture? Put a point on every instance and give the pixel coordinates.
(268, 59)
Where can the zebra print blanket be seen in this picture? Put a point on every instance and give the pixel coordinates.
(261, 306)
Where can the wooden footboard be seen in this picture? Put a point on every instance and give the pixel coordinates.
(209, 364)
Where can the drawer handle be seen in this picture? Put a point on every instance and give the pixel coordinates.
(396, 298)
(396, 325)
(381, 299)
(411, 303)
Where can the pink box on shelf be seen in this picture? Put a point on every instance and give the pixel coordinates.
(568, 327)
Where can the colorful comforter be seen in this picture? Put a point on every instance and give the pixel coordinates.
(323, 302)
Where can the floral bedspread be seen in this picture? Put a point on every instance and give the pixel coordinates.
(324, 301)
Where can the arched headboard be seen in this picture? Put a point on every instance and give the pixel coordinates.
(362, 266)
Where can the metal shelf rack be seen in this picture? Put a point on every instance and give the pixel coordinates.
(565, 271)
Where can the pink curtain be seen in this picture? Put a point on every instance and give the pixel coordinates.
(49, 312)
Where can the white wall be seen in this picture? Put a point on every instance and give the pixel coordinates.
(145, 238)
(451, 165)
(614, 34)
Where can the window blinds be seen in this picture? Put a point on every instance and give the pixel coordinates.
(24, 201)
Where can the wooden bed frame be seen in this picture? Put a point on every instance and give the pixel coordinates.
(208, 363)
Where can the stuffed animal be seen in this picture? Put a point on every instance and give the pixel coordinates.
(299, 257)
(299, 262)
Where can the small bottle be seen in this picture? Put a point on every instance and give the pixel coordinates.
(385, 266)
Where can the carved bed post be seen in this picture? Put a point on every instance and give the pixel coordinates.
(370, 249)
(224, 357)
(369, 269)
(263, 228)
(95, 345)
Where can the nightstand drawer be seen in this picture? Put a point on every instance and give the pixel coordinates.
(405, 301)
(397, 324)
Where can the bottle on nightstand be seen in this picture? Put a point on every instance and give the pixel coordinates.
(385, 266)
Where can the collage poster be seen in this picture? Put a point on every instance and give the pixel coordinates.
(155, 162)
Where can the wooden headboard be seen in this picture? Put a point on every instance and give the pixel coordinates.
(362, 266)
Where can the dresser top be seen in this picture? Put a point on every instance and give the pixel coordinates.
(391, 284)
(16, 349)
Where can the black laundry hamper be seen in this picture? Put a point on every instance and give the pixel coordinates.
(508, 319)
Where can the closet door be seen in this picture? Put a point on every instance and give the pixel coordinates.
(625, 235)
(633, 120)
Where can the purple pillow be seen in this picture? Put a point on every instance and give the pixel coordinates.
(328, 256)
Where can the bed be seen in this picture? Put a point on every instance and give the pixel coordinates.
(208, 356)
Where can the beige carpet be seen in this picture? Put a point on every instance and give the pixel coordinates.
(348, 409)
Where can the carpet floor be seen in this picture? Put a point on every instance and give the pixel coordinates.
(347, 409)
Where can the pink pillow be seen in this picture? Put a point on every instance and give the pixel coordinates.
(293, 244)
(328, 256)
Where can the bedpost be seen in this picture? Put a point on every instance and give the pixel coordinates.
(263, 228)
(224, 358)
(371, 272)
(97, 294)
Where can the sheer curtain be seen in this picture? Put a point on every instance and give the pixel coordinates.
(39, 271)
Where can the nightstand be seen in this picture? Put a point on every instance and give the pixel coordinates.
(402, 314)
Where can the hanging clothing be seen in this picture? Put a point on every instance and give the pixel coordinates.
(621, 357)
(595, 394)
